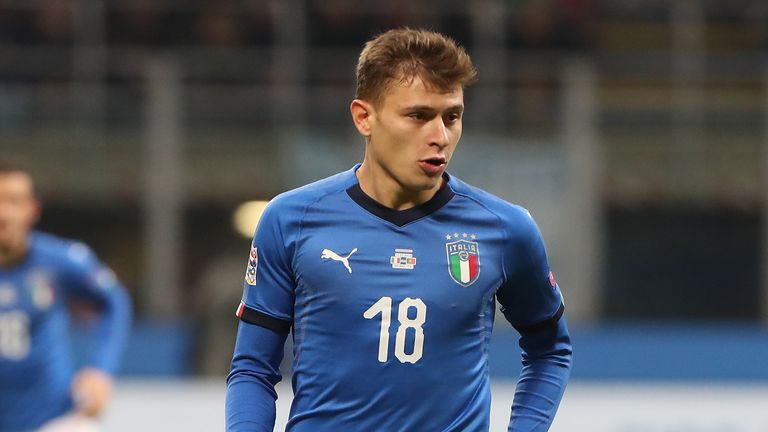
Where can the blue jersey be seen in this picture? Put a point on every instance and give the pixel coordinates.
(391, 312)
(36, 365)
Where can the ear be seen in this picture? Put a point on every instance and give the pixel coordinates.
(362, 112)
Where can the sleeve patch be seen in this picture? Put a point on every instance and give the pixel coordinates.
(78, 252)
(253, 264)
(104, 278)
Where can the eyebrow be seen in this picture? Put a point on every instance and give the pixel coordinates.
(457, 107)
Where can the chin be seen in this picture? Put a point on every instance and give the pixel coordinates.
(429, 183)
(8, 240)
(419, 182)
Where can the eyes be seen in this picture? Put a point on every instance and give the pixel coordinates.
(449, 117)
(453, 117)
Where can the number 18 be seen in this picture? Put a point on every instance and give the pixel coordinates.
(384, 307)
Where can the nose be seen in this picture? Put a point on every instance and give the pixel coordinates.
(438, 133)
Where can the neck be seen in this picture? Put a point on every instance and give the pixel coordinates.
(381, 185)
(13, 252)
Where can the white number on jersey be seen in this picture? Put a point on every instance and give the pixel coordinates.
(14, 335)
(384, 307)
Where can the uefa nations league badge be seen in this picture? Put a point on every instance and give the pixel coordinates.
(463, 259)
(253, 264)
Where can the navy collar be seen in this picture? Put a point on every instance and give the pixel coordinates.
(402, 217)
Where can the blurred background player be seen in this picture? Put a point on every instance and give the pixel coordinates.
(41, 278)
(396, 245)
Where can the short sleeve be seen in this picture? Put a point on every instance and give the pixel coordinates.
(268, 294)
(529, 297)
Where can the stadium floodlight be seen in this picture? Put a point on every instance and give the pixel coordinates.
(246, 216)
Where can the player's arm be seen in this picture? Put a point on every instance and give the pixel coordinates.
(531, 301)
(546, 368)
(251, 396)
(266, 314)
(89, 281)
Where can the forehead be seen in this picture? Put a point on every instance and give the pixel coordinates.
(16, 181)
(415, 91)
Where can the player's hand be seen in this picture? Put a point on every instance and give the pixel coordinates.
(91, 390)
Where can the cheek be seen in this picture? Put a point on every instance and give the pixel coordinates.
(455, 138)
(397, 142)
(452, 148)
(26, 216)
(457, 133)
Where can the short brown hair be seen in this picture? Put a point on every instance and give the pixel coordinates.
(403, 54)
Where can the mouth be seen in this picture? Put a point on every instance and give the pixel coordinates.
(433, 166)
(436, 161)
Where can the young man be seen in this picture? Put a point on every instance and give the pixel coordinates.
(39, 275)
(387, 274)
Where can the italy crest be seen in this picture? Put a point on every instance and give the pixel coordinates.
(463, 261)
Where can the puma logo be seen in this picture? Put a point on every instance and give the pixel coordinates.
(327, 253)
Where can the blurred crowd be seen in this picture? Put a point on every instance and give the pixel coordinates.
(551, 24)
(529, 24)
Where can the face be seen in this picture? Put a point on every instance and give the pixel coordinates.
(18, 209)
(413, 133)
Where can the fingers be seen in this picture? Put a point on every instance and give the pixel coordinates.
(92, 391)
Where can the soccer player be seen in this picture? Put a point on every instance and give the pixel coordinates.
(40, 275)
(387, 274)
